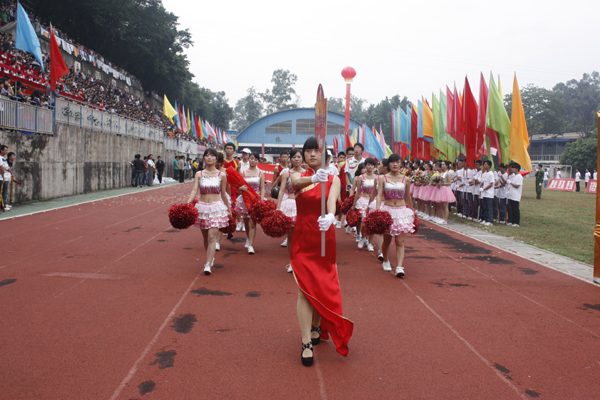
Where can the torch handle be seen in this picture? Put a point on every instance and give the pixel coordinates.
(323, 200)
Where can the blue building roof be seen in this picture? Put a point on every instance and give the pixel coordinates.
(284, 129)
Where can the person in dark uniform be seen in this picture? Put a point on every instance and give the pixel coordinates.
(160, 167)
(539, 181)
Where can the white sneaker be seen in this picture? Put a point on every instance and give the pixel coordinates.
(239, 226)
(212, 262)
(353, 229)
(509, 224)
(348, 230)
(482, 222)
(217, 246)
(361, 243)
(338, 225)
(289, 268)
(442, 222)
(399, 272)
(243, 227)
(515, 225)
(247, 243)
(284, 243)
(380, 256)
(387, 266)
(345, 223)
(207, 269)
(370, 247)
(459, 215)
(488, 224)
(250, 250)
(358, 238)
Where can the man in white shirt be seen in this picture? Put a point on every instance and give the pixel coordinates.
(487, 193)
(245, 163)
(476, 185)
(595, 175)
(557, 175)
(577, 180)
(587, 177)
(352, 163)
(458, 187)
(513, 195)
(546, 178)
(4, 183)
(470, 182)
(151, 169)
(501, 193)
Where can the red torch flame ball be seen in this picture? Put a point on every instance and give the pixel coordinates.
(348, 73)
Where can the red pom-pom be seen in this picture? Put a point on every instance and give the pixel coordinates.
(416, 222)
(347, 205)
(378, 222)
(276, 224)
(182, 216)
(338, 207)
(353, 217)
(261, 209)
(230, 228)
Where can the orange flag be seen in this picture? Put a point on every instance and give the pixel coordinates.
(519, 138)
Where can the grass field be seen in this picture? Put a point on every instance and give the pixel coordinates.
(560, 222)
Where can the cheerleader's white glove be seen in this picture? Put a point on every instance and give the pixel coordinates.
(320, 176)
(326, 221)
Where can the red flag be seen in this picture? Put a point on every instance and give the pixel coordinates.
(196, 125)
(458, 120)
(58, 67)
(336, 146)
(405, 151)
(450, 115)
(470, 121)
(414, 126)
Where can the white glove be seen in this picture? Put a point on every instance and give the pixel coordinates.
(320, 176)
(326, 221)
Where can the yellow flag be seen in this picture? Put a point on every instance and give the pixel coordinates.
(168, 109)
(519, 138)
(189, 124)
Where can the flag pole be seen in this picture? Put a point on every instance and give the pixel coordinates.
(597, 226)
(321, 135)
(323, 199)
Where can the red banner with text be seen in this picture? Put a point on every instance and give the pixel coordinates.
(564, 185)
(268, 170)
(592, 186)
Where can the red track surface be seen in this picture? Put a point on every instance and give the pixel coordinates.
(103, 307)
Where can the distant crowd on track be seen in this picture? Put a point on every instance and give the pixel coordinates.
(7, 179)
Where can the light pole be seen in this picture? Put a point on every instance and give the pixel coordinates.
(348, 73)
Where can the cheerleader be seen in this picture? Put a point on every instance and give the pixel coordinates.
(443, 194)
(382, 170)
(213, 207)
(393, 196)
(286, 201)
(365, 185)
(220, 167)
(256, 180)
(319, 297)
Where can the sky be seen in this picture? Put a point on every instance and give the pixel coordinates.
(408, 48)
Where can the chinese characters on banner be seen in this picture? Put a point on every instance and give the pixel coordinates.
(592, 186)
(564, 185)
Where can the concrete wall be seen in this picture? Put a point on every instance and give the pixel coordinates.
(75, 161)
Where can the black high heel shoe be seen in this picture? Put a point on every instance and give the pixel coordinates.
(317, 329)
(307, 361)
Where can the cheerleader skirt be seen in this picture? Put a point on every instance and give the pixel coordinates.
(212, 215)
(361, 205)
(288, 207)
(417, 192)
(372, 206)
(444, 195)
(240, 207)
(403, 217)
(425, 193)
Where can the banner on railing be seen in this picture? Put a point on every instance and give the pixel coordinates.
(592, 186)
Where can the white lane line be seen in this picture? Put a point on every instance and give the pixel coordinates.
(167, 320)
(320, 380)
(469, 346)
(84, 275)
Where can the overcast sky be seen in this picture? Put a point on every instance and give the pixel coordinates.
(410, 48)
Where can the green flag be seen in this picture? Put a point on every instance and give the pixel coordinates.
(435, 108)
(497, 119)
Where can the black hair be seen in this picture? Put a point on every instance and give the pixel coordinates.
(488, 162)
(394, 158)
(220, 157)
(341, 153)
(359, 170)
(477, 161)
(359, 145)
(370, 161)
(10, 154)
(137, 156)
(502, 165)
(540, 165)
(448, 164)
(515, 165)
(283, 153)
(157, 156)
(256, 155)
(230, 144)
(385, 162)
(2, 147)
(212, 151)
(349, 149)
(310, 144)
(293, 152)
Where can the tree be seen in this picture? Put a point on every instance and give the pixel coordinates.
(582, 100)
(381, 114)
(543, 108)
(357, 107)
(247, 110)
(279, 98)
(582, 154)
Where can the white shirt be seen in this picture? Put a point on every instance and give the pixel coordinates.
(487, 178)
(513, 193)
(587, 177)
(546, 175)
(451, 175)
(470, 177)
(596, 175)
(477, 186)
(351, 166)
(4, 163)
(501, 192)
(151, 164)
(558, 174)
(462, 183)
(332, 170)
(243, 166)
(578, 177)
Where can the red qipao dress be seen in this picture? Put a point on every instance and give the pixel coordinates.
(317, 276)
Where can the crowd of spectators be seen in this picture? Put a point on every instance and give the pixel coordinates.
(22, 79)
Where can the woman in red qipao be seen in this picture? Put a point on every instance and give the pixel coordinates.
(319, 297)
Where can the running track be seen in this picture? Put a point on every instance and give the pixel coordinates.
(106, 301)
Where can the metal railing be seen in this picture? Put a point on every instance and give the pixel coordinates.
(26, 117)
(78, 114)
